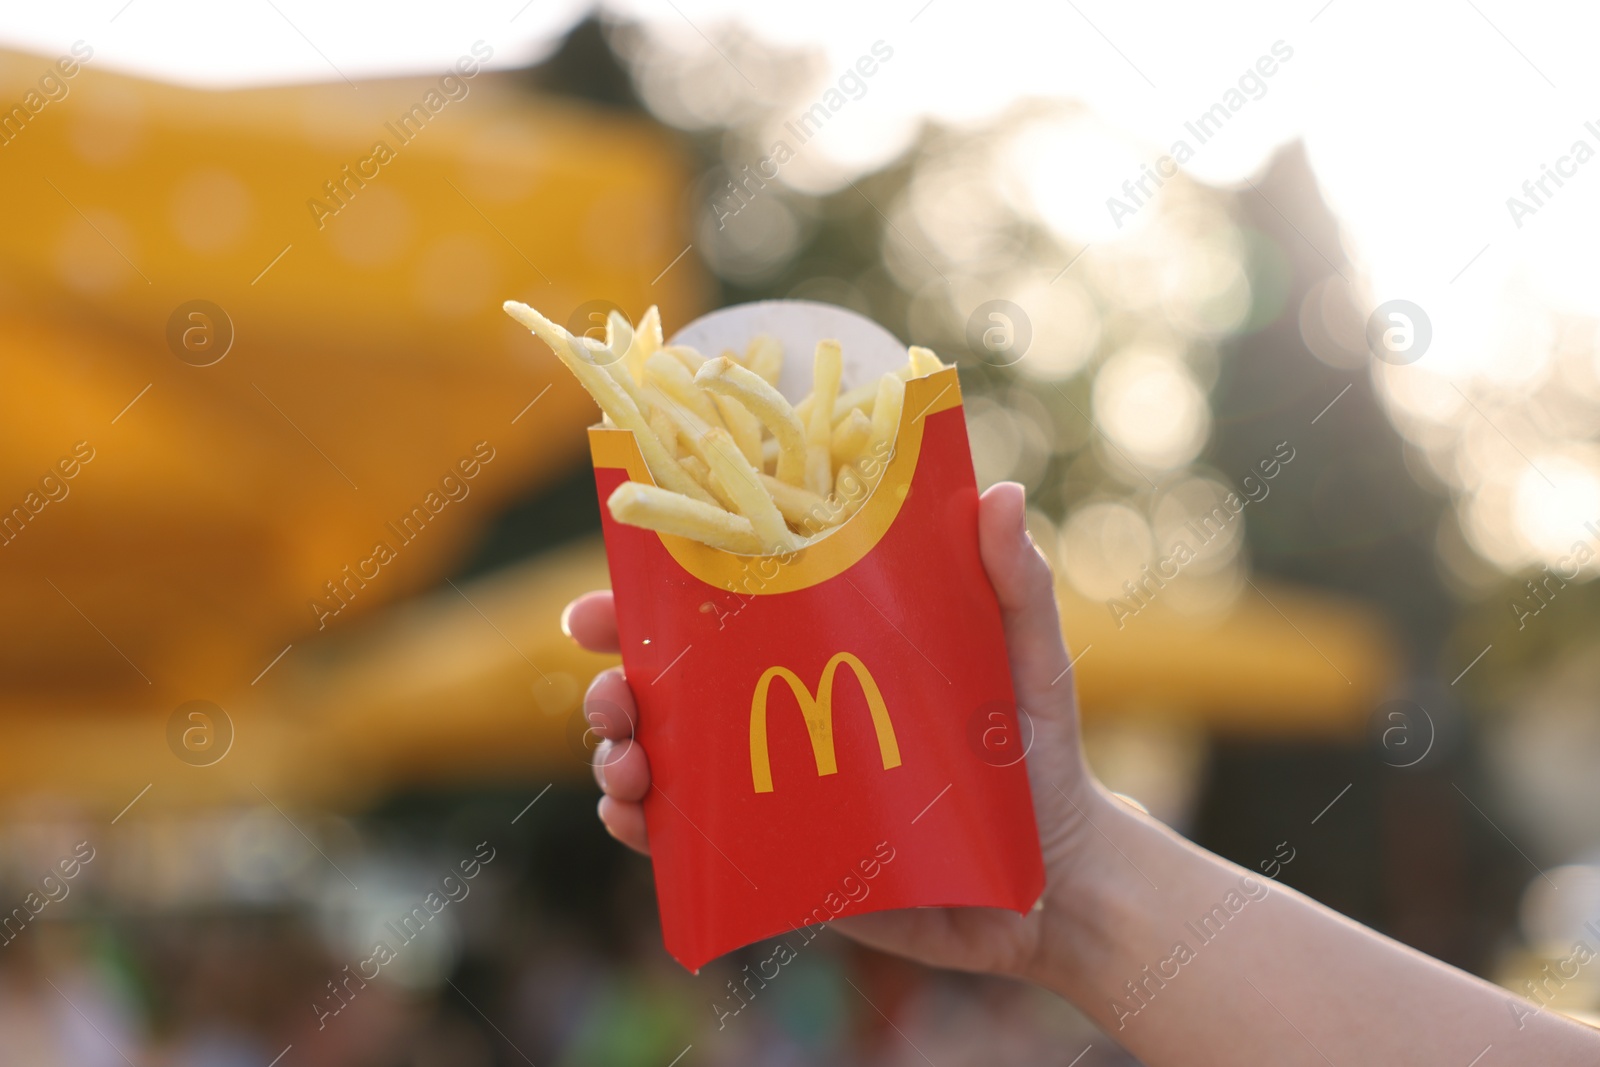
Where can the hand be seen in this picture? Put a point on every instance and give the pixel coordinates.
(1354, 996)
(1065, 796)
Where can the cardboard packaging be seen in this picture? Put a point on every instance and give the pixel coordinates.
(816, 722)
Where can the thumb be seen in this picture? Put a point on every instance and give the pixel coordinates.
(1026, 590)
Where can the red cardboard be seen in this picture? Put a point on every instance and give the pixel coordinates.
(814, 721)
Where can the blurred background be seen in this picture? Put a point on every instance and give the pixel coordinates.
(289, 509)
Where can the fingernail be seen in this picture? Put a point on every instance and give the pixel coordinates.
(566, 617)
(1022, 515)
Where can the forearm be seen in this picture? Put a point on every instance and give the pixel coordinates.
(1186, 958)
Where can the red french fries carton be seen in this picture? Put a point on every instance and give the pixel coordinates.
(832, 731)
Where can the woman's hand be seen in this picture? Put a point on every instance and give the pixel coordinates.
(1287, 981)
(1064, 795)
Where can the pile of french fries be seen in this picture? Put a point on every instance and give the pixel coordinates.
(736, 466)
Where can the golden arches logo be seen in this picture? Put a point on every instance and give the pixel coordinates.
(818, 714)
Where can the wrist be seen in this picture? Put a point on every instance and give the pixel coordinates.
(1094, 892)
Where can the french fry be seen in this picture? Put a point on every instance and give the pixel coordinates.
(734, 481)
(624, 378)
(710, 431)
(745, 428)
(665, 372)
(849, 486)
(726, 378)
(612, 400)
(697, 470)
(826, 368)
(861, 397)
(923, 361)
(850, 437)
(667, 512)
(738, 425)
(701, 474)
(852, 488)
(875, 457)
(805, 510)
(886, 413)
(690, 431)
(619, 336)
(741, 481)
(664, 428)
(764, 356)
(646, 341)
(691, 359)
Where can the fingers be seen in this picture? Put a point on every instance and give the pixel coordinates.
(1022, 584)
(608, 706)
(591, 620)
(1026, 591)
(620, 765)
(622, 770)
(625, 822)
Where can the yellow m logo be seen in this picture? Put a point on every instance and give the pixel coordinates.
(818, 714)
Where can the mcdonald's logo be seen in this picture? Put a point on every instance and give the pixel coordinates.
(818, 714)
